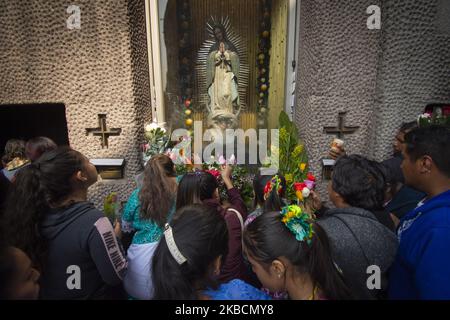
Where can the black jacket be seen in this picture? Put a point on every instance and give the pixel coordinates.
(80, 237)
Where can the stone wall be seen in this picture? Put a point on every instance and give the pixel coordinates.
(381, 78)
(414, 69)
(337, 72)
(100, 68)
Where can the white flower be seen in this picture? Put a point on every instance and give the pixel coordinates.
(305, 192)
(232, 159)
(153, 126)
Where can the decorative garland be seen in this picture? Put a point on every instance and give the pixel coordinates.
(263, 61)
(185, 52)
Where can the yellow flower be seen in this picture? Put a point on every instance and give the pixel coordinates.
(297, 151)
(299, 195)
(283, 134)
(302, 166)
(289, 178)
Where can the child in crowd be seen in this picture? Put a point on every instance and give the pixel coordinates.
(421, 268)
(18, 277)
(146, 212)
(49, 218)
(188, 259)
(358, 239)
(202, 187)
(290, 252)
(269, 192)
(36, 147)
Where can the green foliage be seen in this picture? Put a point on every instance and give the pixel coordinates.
(435, 119)
(291, 155)
(111, 206)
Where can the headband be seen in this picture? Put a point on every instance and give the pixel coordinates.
(170, 241)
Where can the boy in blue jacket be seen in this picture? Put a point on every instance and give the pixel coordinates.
(422, 266)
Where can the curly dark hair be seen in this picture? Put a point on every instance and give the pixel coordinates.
(360, 182)
(14, 148)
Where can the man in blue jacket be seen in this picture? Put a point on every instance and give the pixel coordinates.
(422, 266)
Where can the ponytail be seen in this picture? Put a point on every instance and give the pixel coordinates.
(274, 200)
(158, 192)
(323, 269)
(39, 186)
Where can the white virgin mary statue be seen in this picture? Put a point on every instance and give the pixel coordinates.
(222, 79)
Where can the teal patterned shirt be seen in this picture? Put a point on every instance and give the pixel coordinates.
(147, 231)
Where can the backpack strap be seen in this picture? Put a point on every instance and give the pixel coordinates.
(238, 214)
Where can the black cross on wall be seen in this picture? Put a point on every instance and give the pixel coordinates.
(102, 131)
(341, 129)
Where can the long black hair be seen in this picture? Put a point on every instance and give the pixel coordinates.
(267, 239)
(201, 236)
(38, 187)
(195, 187)
(274, 201)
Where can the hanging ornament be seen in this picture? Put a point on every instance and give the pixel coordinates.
(188, 112)
(187, 103)
(265, 34)
(189, 122)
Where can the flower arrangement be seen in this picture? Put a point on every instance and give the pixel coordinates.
(293, 162)
(435, 115)
(242, 179)
(156, 140)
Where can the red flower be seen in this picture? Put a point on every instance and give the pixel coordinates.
(267, 188)
(310, 177)
(299, 186)
(215, 173)
(446, 111)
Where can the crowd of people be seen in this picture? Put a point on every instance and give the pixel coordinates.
(187, 244)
